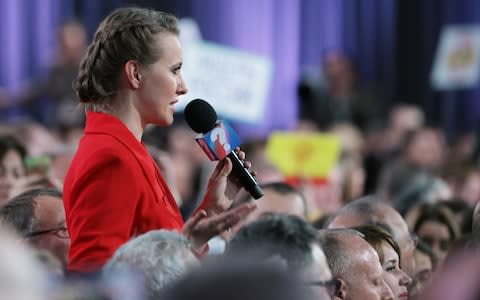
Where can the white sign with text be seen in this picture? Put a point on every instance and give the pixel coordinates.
(234, 82)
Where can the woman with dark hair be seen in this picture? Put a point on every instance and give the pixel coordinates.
(435, 225)
(389, 253)
(16, 174)
(129, 78)
(12, 167)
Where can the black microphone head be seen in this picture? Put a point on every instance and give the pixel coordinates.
(200, 116)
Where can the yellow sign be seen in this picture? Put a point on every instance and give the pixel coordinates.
(308, 155)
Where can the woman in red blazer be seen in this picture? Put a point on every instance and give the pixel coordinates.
(114, 191)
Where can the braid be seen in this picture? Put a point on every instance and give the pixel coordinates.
(84, 83)
(126, 34)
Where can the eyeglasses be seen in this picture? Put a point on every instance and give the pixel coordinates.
(61, 232)
(332, 286)
(414, 239)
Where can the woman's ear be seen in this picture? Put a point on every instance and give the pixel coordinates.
(342, 291)
(133, 73)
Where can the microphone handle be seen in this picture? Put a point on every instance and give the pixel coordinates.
(248, 181)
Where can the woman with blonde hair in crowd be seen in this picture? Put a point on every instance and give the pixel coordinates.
(389, 253)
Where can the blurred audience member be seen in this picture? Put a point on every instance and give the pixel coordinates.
(462, 213)
(436, 226)
(382, 145)
(278, 198)
(351, 140)
(160, 257)
(389, 253)
(39, 140)
(353, 179)
(23, 276)
(410, 186)
(464, 180)
(13, 173)
(352, 172)
(51, 99)
(425, 263)
(402, 119)
(324, 196)
(424, 148)
(355, 264)
(371, 210)
(12, 167)
(291, 240)
(463, 148)
(38, 215)
(339, 97)
(239, 280)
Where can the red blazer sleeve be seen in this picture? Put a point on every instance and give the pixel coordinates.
(104, 196)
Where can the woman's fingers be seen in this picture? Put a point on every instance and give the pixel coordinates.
(231, 218)
(241, 155)
(192, 222)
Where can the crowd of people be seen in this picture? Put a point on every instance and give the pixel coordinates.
(109, 207)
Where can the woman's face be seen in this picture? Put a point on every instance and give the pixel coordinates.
(437, 236)
(11, 170)
(161, 83)
(395, 278)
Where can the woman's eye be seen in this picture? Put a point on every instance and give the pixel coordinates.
(390, 269)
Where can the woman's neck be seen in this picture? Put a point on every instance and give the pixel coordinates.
(131, 118)
(122, 107)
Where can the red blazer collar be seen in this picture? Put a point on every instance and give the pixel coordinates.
(108, 124)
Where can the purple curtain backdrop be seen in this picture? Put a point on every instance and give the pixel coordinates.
(293, 33)
(28, 38)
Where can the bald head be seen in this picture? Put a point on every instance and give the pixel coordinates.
(338, 245)
(371, 210)
(356, 264)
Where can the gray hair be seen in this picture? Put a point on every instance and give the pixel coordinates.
(338, 255)
(160, 256)
(19, 212)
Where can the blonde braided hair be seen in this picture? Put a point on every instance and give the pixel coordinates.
(126, 34)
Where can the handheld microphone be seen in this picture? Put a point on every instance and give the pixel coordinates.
(219, 141)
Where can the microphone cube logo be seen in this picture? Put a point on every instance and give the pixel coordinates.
(220, 141)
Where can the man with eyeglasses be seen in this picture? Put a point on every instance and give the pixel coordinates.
(39, 216)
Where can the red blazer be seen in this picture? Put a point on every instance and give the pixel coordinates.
(113, 191)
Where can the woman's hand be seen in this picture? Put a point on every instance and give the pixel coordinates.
(222, 187)
(201, 227)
